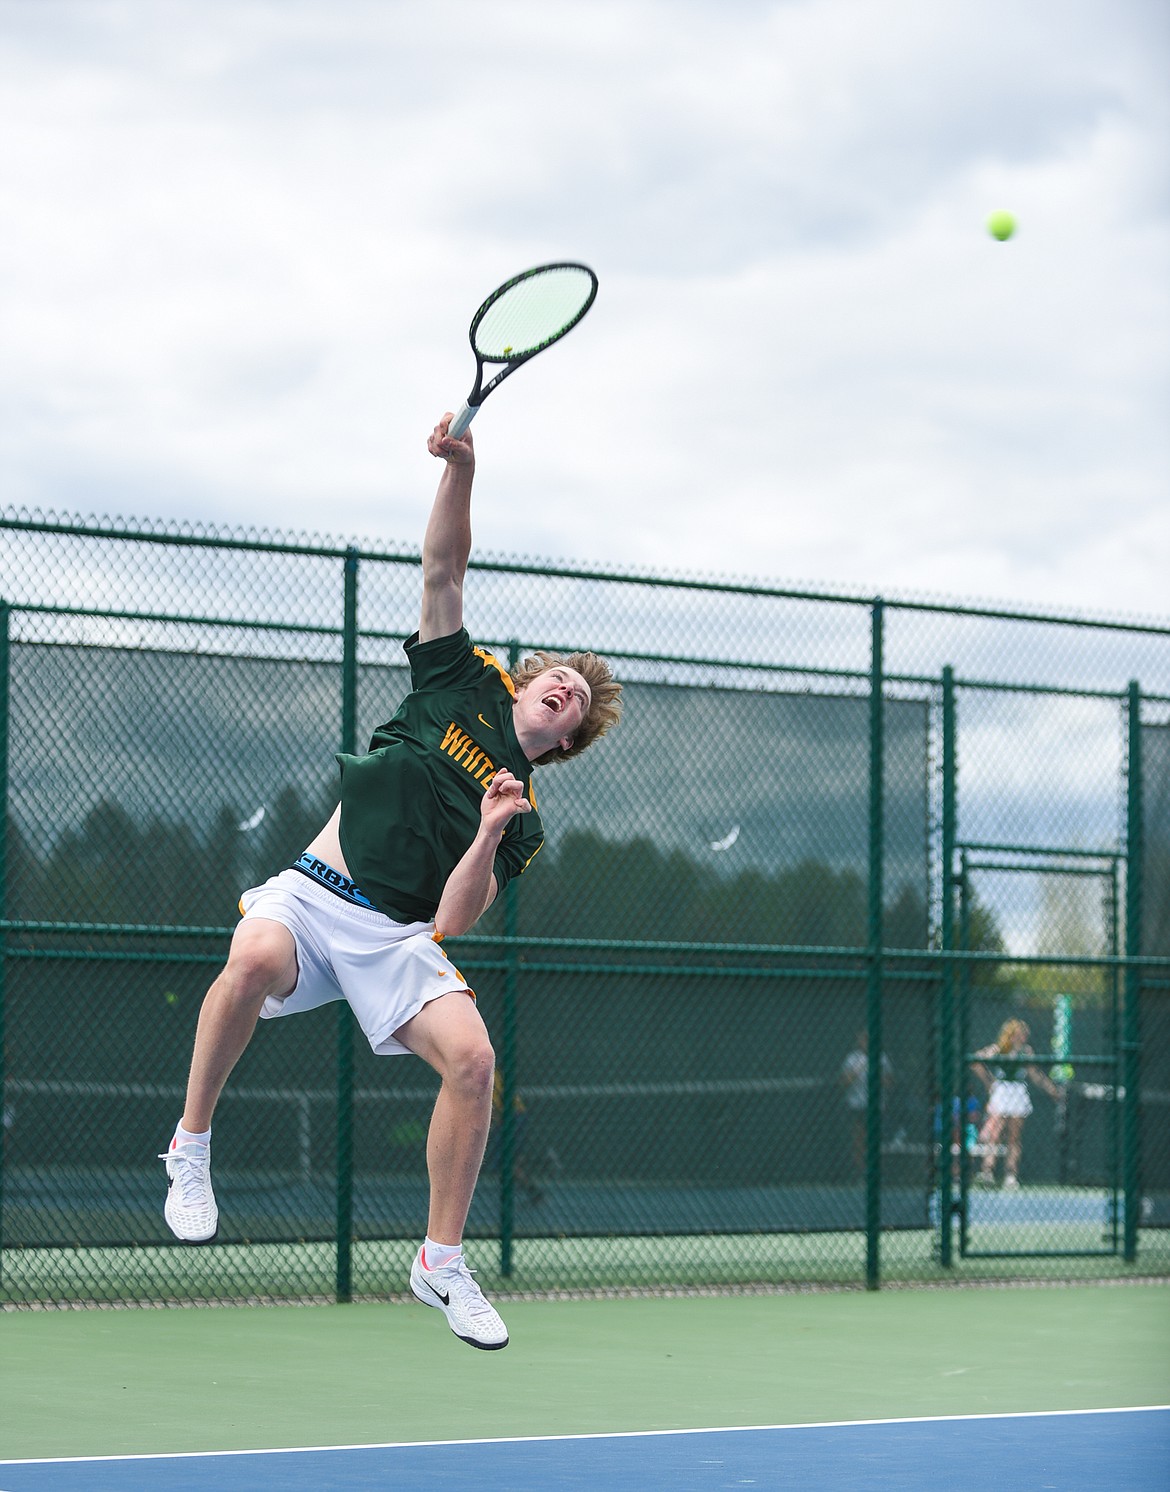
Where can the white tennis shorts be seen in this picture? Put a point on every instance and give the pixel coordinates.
(386, 970)
(1009, 1100)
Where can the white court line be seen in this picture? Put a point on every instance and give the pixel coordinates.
(391, 1445)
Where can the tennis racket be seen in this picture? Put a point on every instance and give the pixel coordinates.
(524, 316)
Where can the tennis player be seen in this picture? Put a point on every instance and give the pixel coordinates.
(1005, 1067)
(434, 818)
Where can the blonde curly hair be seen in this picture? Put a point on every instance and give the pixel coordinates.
(605, 696)
(1009, 1032)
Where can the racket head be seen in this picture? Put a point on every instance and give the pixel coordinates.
(531, 311)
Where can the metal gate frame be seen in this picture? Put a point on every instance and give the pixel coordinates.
(1107, 1062)
(1123, 963)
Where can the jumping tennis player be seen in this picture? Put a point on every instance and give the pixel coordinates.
(433, 820)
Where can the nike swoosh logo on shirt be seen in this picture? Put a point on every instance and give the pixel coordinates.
(488, 723)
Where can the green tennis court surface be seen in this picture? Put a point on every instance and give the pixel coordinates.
(117, 1382)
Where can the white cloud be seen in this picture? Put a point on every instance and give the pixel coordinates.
(245, 241)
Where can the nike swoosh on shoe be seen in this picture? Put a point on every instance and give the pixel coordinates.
(446, 1299)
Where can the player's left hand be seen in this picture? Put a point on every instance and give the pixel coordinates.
(503, 799)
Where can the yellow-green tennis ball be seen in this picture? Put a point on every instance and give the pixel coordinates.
(1001, 225)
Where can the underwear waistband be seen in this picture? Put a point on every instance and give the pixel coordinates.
(333, 880)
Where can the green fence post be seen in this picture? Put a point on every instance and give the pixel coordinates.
(5, 615)
(343, 1286)
(873, 1133)
(508, 1057)
(962, 1068)
(1131, 1034)
(508, 1086)
(1114, 977)
(947, 1086)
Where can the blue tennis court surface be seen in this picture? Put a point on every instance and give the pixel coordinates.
(1126, 1450)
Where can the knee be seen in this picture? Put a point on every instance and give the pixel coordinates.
(470, 1067)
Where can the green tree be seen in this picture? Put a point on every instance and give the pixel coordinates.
(1072, 920)
(598, 888)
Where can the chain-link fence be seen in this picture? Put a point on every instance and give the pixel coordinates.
(829, 829)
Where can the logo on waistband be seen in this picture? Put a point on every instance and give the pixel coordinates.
(321, 871)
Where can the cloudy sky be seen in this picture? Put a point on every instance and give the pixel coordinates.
(243, 240)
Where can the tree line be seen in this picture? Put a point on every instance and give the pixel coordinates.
(114, 868)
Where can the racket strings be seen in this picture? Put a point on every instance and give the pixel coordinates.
(532, 313)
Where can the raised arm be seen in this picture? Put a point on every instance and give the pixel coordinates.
(447, 543)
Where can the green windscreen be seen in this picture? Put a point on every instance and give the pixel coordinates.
(690, 1090)
(681, 988)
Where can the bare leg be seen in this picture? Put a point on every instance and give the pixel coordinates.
(859, 1127)
(989, 1139)
(450, 1035)
(1011, 1165)
(262, 962)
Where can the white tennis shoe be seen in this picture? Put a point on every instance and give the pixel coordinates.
(453, 1291)
(190, 1211)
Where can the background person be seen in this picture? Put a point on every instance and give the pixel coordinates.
(854, 1079)
(1005, 1068)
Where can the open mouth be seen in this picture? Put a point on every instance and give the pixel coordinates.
(553, 702)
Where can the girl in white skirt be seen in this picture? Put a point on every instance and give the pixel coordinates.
(1005, 1068)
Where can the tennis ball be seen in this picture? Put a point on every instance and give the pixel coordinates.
(1001, 225)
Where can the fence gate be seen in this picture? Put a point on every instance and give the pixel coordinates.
(1041, 925)
(1043, 1178)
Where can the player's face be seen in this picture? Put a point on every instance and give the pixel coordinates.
(553, 705)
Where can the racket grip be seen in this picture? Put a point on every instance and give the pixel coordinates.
(462, 420)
